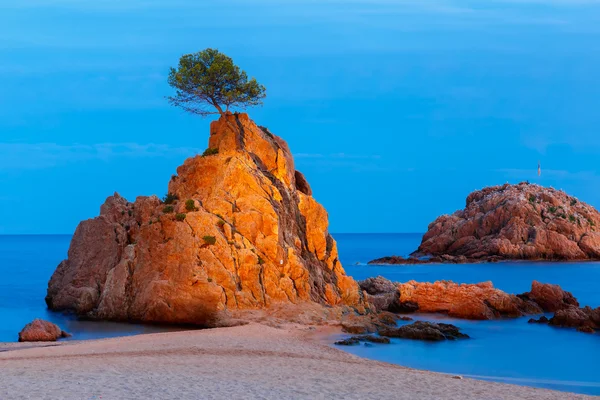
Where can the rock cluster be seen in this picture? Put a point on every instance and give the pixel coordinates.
(469, 301)
(517, 222)
(585, 319)
(41, 331)
(239, 230)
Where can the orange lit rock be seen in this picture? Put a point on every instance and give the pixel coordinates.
(252, 240)
(41, 331)
(470, 301)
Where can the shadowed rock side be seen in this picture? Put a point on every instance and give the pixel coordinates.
(524, 221)
(243, 234)
(469, 301)
(585, 319)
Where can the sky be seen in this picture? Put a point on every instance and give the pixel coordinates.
(394, 110)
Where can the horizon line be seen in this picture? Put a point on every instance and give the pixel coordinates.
(332, 233)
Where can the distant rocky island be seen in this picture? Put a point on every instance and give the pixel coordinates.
(511, 222)
(238, 230)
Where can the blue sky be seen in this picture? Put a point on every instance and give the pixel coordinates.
(395, 110)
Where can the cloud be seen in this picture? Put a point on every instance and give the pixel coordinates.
(45, 155)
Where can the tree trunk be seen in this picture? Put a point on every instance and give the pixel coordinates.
(238, 134)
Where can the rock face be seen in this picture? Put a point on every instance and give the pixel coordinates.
(238, 231)
(518, 222)
(422, 330)
(550, 298)
(469, 301)
(542, 320)
(41, 331)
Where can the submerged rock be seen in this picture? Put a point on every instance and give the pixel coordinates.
(354, 340)
(543, 320)
(239, 230)
(517, 222)
(421, 330)
(41, 331)
(397, 260)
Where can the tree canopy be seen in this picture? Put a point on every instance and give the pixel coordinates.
(208, 82)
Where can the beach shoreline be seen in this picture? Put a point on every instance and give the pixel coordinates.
(250, 361)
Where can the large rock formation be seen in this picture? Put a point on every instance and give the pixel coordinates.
(240, 232)
(523, 221)
(479, 301)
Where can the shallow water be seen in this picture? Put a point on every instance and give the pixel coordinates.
(509, 350)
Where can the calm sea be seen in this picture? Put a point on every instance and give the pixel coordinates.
(511, 350)
(506, 351)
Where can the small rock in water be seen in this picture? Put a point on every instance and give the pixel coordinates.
(422, 330)
(347, 342)
(372, 339)
(354, 340)
(542, 320)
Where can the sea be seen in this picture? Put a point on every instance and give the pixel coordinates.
(506, 350)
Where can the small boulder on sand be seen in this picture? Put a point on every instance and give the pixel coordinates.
(41, 331)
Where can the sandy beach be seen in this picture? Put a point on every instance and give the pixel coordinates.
(251, 361)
